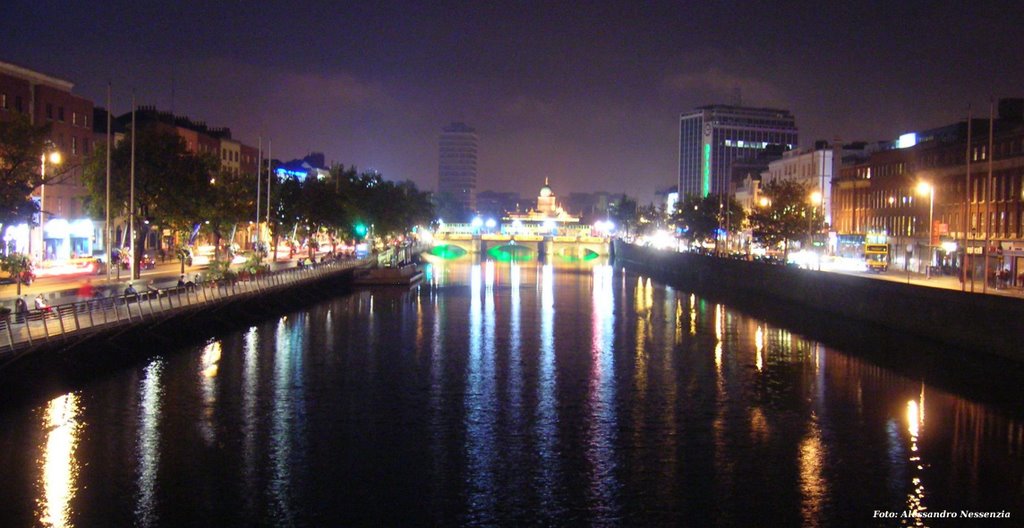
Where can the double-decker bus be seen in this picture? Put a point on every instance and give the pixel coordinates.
(870, 251)
(876, 257)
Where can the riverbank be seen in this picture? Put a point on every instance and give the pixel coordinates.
(84, 340)
(977, 325)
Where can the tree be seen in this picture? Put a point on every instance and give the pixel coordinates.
(701, 218)
(788, 215)
(227, 199)
(16, 264)
(21, 148)
(171, 183)
(624, 212)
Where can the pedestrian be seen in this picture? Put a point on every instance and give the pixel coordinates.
(181, 281)
(40, 302)
(130, 290)
(20, 307)
(85, 292)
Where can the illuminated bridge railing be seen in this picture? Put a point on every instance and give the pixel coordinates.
(21, 331)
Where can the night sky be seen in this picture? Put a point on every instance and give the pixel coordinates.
(587, 94)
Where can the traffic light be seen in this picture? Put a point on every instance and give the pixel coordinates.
(359, 230)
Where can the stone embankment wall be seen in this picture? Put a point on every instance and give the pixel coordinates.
(990, 324)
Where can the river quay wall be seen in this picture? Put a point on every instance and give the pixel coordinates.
(971, 322)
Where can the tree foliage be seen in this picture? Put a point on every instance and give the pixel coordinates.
(788, 216)
(624, 212)
(172, 185)
(21, 148)
(182, 191)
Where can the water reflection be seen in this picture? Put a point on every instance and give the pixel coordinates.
(59, 466)
(209, 366)
(481, 405)
(600, 450)
(547, 418)
(519, 404)
(287, 398)
(250, 397)
(915, 499)
(813, 484)
(148, 444)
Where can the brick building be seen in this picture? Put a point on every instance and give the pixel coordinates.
(66, 230)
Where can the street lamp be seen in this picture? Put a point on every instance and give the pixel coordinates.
(923, 188)
(815, 200)
(54, 158)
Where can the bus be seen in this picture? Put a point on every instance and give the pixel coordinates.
(865, 252)
(876, 257)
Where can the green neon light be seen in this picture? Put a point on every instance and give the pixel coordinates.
(706, 180)
(510, 253)
(448, 252)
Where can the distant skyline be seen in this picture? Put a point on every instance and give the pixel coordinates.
(588, 95)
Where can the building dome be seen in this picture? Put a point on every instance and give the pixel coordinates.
(545, 191)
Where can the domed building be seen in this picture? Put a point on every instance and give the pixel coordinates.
(547, 209)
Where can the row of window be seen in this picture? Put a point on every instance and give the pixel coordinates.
(1000, 224)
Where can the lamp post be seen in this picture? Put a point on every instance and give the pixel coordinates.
(815, 199)
(923, 188)
(54, 158)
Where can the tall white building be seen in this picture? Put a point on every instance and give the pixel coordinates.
(456, 173)
(811, 167)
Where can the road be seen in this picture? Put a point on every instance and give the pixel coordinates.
(58, 290)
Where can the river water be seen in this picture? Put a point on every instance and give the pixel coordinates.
(505, 394)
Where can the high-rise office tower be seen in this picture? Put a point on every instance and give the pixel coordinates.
(711, 137)
(456, 173)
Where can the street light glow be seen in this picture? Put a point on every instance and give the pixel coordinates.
(816, 197)
(924, 188)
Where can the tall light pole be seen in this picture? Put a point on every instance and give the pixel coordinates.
(54, 158)
(923, 188)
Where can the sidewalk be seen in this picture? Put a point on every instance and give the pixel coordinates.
(61, 290)
(941, 281)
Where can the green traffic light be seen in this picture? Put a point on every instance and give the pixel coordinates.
(360, 230)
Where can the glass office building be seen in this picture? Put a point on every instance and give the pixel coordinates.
(711, 137)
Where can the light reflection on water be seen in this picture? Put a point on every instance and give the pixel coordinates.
(512, 394)
(148, 444)
(59, 466)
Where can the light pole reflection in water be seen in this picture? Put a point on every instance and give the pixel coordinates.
(58, 465)
(547, 410)
(601, 387)
(915, 424)
(481, 407)
(209, 366)
(148, 444)
(250, 378)
(284, 419)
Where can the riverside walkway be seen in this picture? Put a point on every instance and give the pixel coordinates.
(70, 322)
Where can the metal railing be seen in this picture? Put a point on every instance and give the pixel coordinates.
(24, 330)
